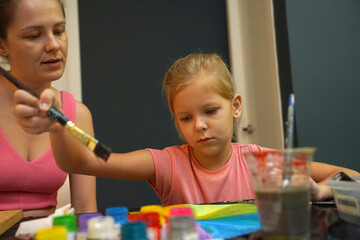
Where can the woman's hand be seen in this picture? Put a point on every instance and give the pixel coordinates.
(31, 113)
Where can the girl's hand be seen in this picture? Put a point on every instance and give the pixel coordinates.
(31, 113)
(319, 192)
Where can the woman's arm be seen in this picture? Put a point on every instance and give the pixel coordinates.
(83, 193)
(70, 154)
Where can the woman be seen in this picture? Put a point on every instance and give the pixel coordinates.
(34, 41)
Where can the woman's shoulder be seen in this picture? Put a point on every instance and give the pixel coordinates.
(80, 109)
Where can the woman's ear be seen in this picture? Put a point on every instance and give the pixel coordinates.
(3, 49)
(237, 107)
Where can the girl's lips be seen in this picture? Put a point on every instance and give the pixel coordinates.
(204, 140)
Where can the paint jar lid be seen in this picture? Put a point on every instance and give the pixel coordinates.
(83, 220)
(136, 217)
(152, 208)
(181, 211)
(54, 233)
(133, 230)
(68, 221)
(102, 227)
(118, 213)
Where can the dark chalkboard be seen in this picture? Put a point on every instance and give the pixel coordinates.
(126, 48)
(319, 58)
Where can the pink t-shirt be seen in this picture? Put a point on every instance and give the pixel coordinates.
(181, 179)
(31, 185)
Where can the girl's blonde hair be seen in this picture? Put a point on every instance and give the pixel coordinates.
(185, 71)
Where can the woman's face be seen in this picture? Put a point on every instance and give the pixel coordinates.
(36, 43)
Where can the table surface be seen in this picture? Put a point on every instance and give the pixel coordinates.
(325, 224)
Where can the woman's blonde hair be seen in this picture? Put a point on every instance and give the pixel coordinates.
(209, 68)
(187, 70)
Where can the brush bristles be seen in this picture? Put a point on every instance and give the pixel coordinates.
(102, 151)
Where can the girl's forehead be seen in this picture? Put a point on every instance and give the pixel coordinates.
(195, 96)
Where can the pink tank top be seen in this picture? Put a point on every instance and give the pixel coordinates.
(31, 185)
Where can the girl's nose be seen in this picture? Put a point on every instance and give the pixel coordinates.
(52, 43)
(200, 124)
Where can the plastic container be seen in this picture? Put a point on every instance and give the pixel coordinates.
(68, 221)
(347, 198)
(182, 224)
(101, 228)
(120, 216)
(134, 231)
(160, 210)
(82, 224)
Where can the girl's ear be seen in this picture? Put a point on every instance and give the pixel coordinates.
(237, 107)
(3, 49)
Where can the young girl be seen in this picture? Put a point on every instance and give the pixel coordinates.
(209, 168)
(33, 41)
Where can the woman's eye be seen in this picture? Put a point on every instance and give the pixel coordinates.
(33, 36)
(59, 32)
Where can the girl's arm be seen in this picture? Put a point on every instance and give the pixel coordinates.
(70, 154)
(322, 171)
(319, 173)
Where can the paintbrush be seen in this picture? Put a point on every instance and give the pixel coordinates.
(289, 140)
(91, 143)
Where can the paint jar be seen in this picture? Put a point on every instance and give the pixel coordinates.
(153, 228)
(82, 224)
(68, 221)
(182, 224)
(54, 233)
(134, 231)
(101, 228)
(120, 215)
(160, 210)
(152, 220)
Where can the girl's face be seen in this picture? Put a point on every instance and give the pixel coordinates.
(36, 43)
(206, 119)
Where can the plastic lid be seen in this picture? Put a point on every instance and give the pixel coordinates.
(152, 208)
(118, 213)
(101, 227)
(54, 233)
(69, 221)
(136, 217)
(181, 211)
(133, 230)
(83, 220)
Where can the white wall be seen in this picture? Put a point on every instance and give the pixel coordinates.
(253, 61)
(71, 80)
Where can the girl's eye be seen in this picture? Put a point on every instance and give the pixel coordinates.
(185, 119)
(211, 111)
